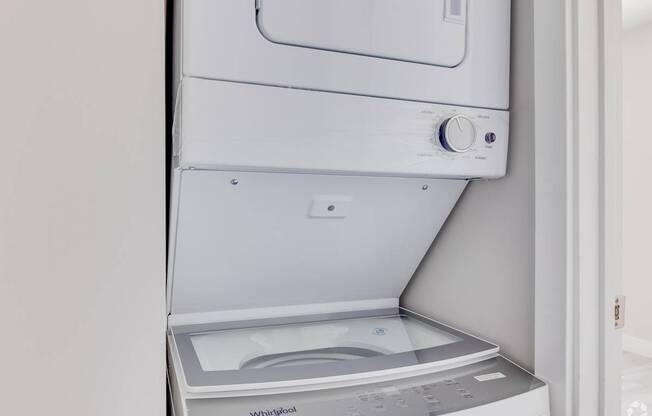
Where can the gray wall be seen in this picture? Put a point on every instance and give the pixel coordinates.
(479, 272)
(82, 208)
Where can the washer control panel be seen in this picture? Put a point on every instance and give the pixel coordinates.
(446, 392)
(424, 398)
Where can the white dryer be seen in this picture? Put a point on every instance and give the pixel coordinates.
(319, 148)
(441, 51)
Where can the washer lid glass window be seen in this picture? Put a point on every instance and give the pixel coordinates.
(317, 342)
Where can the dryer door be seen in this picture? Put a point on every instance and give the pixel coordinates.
(431, 32)
(436, 51)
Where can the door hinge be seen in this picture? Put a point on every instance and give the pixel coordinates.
(619, 312)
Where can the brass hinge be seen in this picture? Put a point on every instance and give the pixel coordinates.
(619, 312)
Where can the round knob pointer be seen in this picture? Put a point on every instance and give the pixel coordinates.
(457, 134)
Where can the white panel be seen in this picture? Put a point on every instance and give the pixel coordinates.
(254, 244)
(221, 40)
(82, 217)
(532, 403)
(432, 32)
(234, 126)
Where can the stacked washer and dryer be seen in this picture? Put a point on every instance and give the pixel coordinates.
(319, 146)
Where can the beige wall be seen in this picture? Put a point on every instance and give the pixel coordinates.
(637, 197)
(82, 207)
(479, 273)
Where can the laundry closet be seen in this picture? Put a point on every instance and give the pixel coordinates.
(336, 207)
(319, 148)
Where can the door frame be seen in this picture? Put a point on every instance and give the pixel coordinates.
(578, 226)
(611, 216)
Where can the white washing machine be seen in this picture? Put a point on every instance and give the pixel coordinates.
(319, 148)
(387, 362)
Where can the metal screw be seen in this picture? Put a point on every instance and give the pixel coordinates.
(234, 182)
(331, 207)
(424, 187)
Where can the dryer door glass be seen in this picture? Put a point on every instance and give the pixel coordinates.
(313, 343)
(431, 32)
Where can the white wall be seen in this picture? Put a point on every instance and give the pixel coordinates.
(479, 273)
(82, 221)
(637, 198)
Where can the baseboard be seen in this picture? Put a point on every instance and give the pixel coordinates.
(638, 346)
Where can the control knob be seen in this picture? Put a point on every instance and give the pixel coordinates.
(457, 134)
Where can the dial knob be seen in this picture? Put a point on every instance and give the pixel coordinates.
(457, 134)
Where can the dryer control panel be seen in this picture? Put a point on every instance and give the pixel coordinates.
(488, 388)
(234, 126)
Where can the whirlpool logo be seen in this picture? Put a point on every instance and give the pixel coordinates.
(279, 411)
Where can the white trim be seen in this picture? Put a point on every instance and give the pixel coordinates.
(638, 346)
(577, 203)
(611, 166)
(553, 187)
(585, 200)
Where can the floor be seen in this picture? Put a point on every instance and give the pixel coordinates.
(637, 385)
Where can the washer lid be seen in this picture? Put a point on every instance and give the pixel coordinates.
(303, 353)
(251, 241)
(431, 32)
